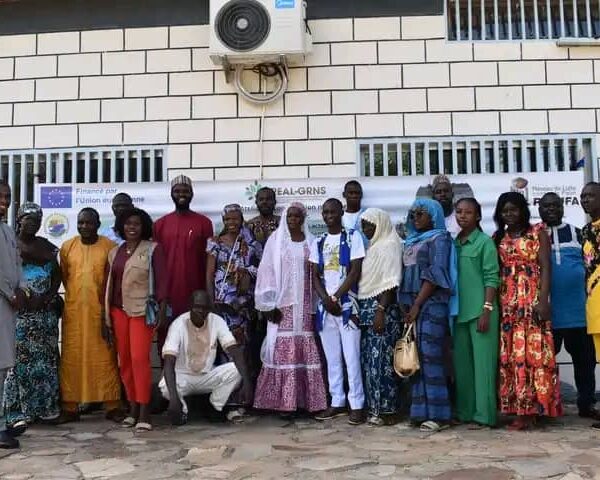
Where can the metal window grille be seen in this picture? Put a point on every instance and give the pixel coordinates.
(469, 20)
(23, 169)
(475, 155)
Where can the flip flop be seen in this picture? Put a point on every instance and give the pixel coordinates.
(375, 421)
(128, 422)
(17, 429)
(591, 413)
(477, 426)
(236, 416)
(520, 424)
(115, 415)
(432, 426)
(143, 427)
(64, 417)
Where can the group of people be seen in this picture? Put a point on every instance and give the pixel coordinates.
(262, 314)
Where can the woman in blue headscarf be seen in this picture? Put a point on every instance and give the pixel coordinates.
(428, 299)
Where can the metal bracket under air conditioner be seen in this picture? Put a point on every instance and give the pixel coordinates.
(227, 69)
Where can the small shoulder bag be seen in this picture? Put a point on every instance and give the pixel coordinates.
(152, 306)
(406, 356)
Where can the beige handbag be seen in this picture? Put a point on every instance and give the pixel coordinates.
(406, 356)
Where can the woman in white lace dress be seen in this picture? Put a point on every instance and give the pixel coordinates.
(292, 374)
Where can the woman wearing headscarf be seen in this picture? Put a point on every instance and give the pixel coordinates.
(379, 315)
(232, 264)
(292, 375)
(31, 390)
(427, 293)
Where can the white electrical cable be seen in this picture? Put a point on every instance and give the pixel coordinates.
(261, 145)
(262, 99)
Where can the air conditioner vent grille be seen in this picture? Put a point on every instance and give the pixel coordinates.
(243, 25)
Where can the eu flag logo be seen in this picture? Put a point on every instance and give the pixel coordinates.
(57, 197)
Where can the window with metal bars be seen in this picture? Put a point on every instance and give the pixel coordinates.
(23, 169)
(474, 155)
(469, 20)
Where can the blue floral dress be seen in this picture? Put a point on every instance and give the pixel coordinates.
(429, 260)
(382, 385)
(236, 303)
(31, 389)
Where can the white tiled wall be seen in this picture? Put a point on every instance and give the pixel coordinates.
(368, 77)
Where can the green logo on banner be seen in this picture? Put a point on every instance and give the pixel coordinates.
(252, 190)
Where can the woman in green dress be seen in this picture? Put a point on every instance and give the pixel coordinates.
(477, 324)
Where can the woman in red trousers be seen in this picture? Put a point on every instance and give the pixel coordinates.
(131, 267)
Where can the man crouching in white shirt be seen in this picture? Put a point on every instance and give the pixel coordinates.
(189, 354)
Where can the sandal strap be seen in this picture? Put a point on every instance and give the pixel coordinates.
(431, 426)
(128, 422)
(143, 426)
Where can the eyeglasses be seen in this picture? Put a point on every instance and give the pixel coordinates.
(417, 213)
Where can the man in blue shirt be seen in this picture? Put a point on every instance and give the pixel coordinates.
(353, 194)
(567, 297)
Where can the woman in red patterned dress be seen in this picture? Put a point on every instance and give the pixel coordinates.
(528, 380)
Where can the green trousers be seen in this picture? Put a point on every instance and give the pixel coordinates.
(475, 371)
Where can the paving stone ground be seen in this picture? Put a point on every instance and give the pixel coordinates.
(267, 447)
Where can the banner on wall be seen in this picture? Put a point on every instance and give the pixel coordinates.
(62, 202)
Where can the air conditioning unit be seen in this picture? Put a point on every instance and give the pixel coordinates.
(251, 32)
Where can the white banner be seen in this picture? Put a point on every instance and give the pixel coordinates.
(62, 202)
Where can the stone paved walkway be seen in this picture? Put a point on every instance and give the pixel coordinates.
(271, 448)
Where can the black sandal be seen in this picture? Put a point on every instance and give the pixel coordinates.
(17, 429)
(116, 415)
(591, 413)
(64, 417)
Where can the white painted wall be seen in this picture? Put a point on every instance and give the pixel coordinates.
(368, 77)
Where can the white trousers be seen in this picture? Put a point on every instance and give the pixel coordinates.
(338, 340)
(220, 382)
